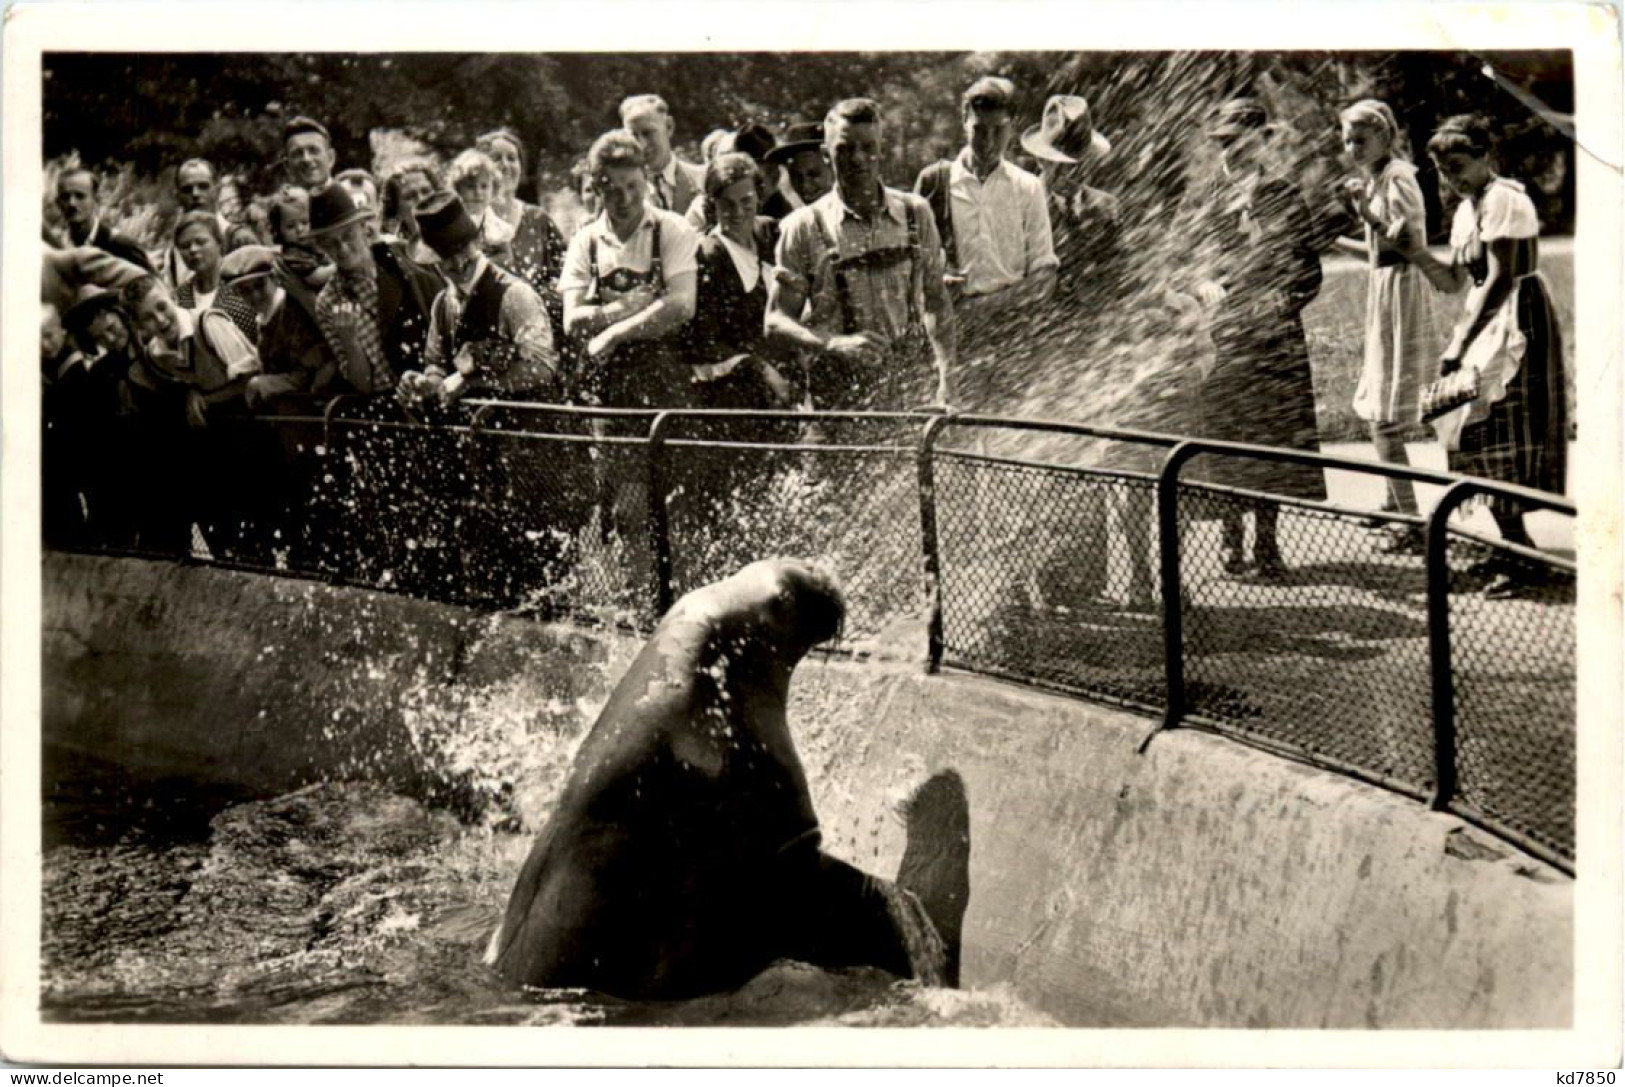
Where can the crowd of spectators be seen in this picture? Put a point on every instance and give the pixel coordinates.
(781, 273)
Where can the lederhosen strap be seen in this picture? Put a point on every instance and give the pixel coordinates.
(843, 290)
(658, 381)
(655, 276)
(916, 289)
(871, 260)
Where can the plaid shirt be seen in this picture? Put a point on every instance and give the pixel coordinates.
(885, 297)
(356, 296)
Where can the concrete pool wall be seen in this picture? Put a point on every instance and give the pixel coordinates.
(1201, 883)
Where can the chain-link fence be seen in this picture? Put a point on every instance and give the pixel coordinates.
(1049, 567)
(1302, 634)
(1508, 636)
(840, 489)
(1213, 583)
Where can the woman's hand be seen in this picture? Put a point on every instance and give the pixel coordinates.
(860, 347)
(1353, 193)
(413, 387)
(778, 386)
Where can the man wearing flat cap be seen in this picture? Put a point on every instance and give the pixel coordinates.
(307, 153)
(995, 227)
(374, 311)
(294, 356)
(489, 333)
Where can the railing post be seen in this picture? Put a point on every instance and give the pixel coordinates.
(928, 541)
(477, 544)
(1173, 610)
(1439, 654)
(659, 522)
(332, 522)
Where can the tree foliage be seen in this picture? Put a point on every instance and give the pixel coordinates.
(229, 107)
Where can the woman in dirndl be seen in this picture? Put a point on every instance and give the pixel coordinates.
(1515, 429)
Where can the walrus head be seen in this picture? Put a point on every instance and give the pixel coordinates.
(811, 596)
(787, 605)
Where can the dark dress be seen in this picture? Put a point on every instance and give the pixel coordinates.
(1521, 435)
(1261, 248)
(727, 324)
(724, 344)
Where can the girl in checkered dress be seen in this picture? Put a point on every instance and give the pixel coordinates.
(1516, 430)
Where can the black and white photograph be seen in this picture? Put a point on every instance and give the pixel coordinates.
(892, 544)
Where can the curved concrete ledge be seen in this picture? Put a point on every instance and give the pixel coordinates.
(1199, 884)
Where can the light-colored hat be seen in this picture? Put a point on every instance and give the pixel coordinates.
(1066, 133)
(247, 262)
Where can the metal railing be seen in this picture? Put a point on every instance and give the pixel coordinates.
(1075, 558)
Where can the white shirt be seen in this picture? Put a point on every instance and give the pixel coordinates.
(748, 264)
(675, 185)
(1001, 225)
(678, 242)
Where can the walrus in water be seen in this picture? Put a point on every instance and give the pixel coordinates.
(683, 855)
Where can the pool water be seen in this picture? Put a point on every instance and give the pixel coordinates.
(343, 903)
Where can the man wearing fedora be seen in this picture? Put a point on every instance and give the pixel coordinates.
(374, 311)
(489, 333)
(801, 154)
(1085, 220)
(858, 286)
(994, 222)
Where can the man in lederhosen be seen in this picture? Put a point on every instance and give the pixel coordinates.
(628, 286)
(859, 286)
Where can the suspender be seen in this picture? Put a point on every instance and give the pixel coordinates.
(915, 287)
(843, 290)
(873, 258)
(657, 268)
(655, 276)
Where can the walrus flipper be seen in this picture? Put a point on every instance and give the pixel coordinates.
(936, 859)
